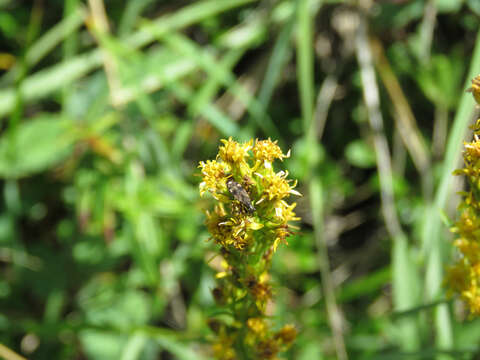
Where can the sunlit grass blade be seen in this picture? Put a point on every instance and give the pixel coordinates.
(134, 346)
(406, 291)
(333, 312)
(46, 43)
(211, 112)
(207, 92)
(131, 15)
(161, 68)
(182, 18)
(213, 68)
(278, 59)
(305, 62)
(49, 80)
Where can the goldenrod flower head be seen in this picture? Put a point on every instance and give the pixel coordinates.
(257, 325)
(234, 152)
(475, 88)
(458, 277)
(467, 224)
(464, 280)
(286, 335)
(260, 290)
(469, 249)
(284, 211)
(267, 349)
(276, 186)
(472, 153)
(281, 234)
(223, 349)
(268, 150)
(213, 173)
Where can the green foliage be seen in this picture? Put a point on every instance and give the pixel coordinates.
(35, 146)
(103, 249)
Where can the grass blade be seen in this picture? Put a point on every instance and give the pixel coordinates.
(47, 81)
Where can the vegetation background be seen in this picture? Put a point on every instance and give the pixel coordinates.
(107, 108)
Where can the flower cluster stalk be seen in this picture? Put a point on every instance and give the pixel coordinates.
(249, 220)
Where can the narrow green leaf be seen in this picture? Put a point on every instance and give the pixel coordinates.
(305, 61)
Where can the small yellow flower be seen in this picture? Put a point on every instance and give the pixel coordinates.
(223, 349)
(214, 177)
(472, 153)
(261, 292)
(257, 325)
(268, 150)
(458, 277)
(230, 232)
(281, 234)
(276, 186)
(474, 305)
(469, 249)
(475, 89)
(468, 226)
(234, 152)
(213, 220)
(284, 211)
(286, 335)
(267, 349)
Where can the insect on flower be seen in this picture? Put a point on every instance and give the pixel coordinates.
(240, 194)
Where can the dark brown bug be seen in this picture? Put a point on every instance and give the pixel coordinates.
(240, 194)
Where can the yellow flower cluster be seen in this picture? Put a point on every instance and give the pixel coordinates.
(265, 343)
(228, 224)
(463, 278)
(249, 220)
(268, 346)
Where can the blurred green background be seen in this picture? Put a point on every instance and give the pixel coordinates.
(107, 107)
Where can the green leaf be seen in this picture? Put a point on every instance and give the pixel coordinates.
(448, 6)
(102, 345)
(8, 25)
(35, 146)
(441, 80)
(474, 5)
(359, 154)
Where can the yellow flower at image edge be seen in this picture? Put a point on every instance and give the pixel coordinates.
(475, 88)
(463, 277)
